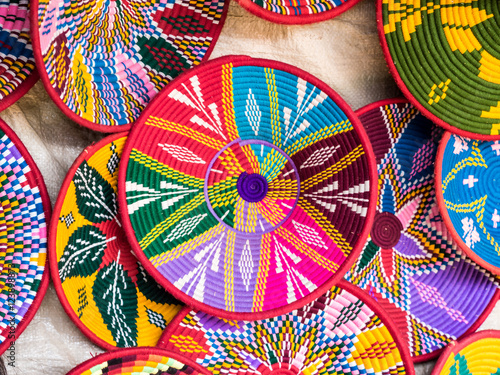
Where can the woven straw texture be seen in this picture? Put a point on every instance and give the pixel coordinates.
(17, 63)
(468, 180)
(24, 206)
(411, 266)
(102, 62)
(338, 333)
(100, 283)
(135, 361)
(445, 56)
(247, 187)
(478, 354)
(297, 12)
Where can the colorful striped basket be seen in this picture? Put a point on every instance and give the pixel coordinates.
(411, 265)
(477, 354)
(467, 181)
(135, 361)
(17, 63)
(100, 283)
(103, 62)
(445, 57)
(342, 332)
(246, 188)
(24, 213)
(295, 12)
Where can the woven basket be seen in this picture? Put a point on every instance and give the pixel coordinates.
(477, 354)
(445, 57)
(247, 187)
(467, 180)
(17, 63)
(135, 361)
(99, 281)
(102, 62)
(294, 12)
(24, 213)
(411, 266)
(343, 331)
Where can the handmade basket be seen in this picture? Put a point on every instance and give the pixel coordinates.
(467, 180)
(246, 188)
(410, 265)
(445, 58)
(24, 213)
(477, 354)
(100, 283)
(17, 63)
(102, 62)
(342, 331)
(294, 12)
(134, 361)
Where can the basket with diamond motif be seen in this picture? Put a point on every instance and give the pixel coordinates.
(247, 188)
(445, 57)
(99, 281)
(411, 265)
(103, 62)
(467, 180)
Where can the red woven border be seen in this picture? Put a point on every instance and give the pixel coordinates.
(157, 102)
(409, 95)
(354, 290)
(268, 15)
(55, 97)
(19, 92)
(86, 154)
(456, 346)
(82, 367)
(37, 181)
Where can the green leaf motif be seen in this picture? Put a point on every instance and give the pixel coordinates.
(156, 319)
(116, 298)
(83, 254)
(151, 290)
(95, 197)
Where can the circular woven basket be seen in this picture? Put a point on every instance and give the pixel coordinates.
(476, 354)
(143, 361)
(445, 57)
(294, 12)
(246, 187)
(411, 265)
(343, 331)
(17, 63)
(24, 213)
(467, 180)
(99, 281)
(102, 62)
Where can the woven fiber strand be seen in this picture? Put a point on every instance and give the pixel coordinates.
(297, 12)
(99, 281)
(467, 180)
(477, 354)
(134, 361)
(445, 57)
(411, 265)
(24, 212)
(102, 62)
(17, 63)
(341, 332)
(247, 186)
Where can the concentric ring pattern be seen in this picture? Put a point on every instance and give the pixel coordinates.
(469, 176)
(135, 361)
(99, 281)
(24, 206)
(336, 334)
(411, 265)
(255, 192)
(445, 56)
(105, 60)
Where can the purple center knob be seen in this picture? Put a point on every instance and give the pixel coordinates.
(252, 187)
